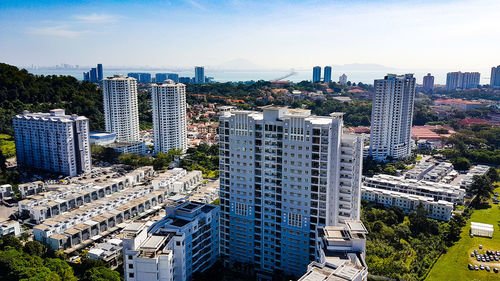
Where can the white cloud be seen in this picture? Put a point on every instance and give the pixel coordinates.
(196, 4)
(98, 18)
(55, 31)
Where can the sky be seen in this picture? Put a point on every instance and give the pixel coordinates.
(441, 34)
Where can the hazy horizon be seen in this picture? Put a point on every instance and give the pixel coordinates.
(427, 36)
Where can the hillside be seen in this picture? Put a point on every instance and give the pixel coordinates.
(20, 90)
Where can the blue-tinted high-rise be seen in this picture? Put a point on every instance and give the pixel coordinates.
(316, 74)
(99, 72)
(327, 78)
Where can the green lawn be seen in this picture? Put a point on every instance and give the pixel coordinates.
(453, 264)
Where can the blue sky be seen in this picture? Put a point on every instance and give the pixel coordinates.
(448, 35)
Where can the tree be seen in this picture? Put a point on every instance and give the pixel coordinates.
(461, 163)
(11, 241)
(62, 268)
(34, 248)
(3, 166)
(101, 274)
(492, 174)
(481, 187)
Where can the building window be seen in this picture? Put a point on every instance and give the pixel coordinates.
(130, 265)
(130, 257)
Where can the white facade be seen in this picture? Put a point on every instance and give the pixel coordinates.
(185, 241)
(283, 173)
(440, 209)
(437, 191)
(392, 116)
(169, 116)
(342, 254)
(121, 112)
(53, 142)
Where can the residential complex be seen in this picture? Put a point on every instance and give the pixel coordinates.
(199, 75)
(462, 80)
(169, 116)
(495, 77)
(54, 142)
(440, 209)
(70, 217)
(185, 241)
(428, 83)
(392, 115)
(316, 74)
(121, 112)
(284, 173)
(437, 191)
(327, 77)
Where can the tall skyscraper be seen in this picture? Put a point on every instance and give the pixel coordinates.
(99, 72)
(169, 116)
(173, 76)
(327, 78)
(121, 112)
(283, 174)
(53, 142)
(86, 76)
(495, 77)
(141, 77)
(316, 74)
(428, 83)
(462, 80)
(161, 77)
(343, 79)
(93, 74)
(199, 75)
(392, 116)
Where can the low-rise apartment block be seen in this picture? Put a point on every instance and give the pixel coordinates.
(185, 241)
(478, 170)
(81, 218)
(436, 191)
(441, 210)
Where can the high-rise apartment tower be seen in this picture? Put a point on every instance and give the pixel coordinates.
(283, 174)
(121, 112)
(392, 116)
(169, 116)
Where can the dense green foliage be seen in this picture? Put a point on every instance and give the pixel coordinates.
(20, 90)
(405, 247)
(372, 167)
(32, 262)
(203, 157)
(159, 161)
(478, 144)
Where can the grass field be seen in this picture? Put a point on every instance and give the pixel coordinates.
(7, 145)
(453, 264)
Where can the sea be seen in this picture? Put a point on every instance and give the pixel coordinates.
(218, 75)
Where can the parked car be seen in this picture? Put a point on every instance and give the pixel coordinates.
(495, 270)
(470, 266)
(476, 267)
(488, 268)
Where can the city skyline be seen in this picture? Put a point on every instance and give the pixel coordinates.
(46, 32)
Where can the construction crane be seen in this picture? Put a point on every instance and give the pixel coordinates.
(286, 76)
